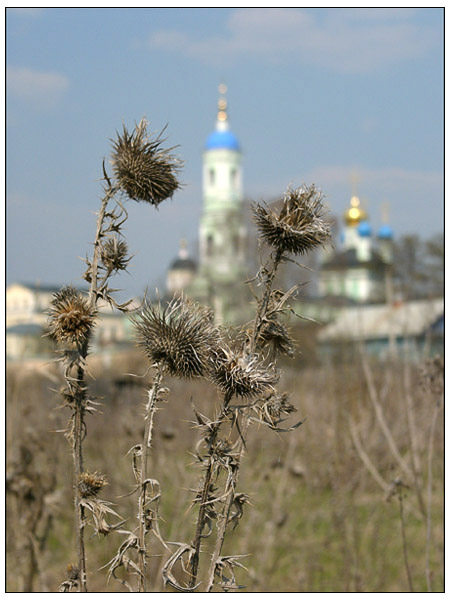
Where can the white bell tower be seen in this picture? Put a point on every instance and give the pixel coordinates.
(222, 230)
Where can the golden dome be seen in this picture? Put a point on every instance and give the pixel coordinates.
(355, 214)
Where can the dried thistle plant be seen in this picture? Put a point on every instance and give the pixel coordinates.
(90, 484)
(243, 372)
(274, 407)
(114, 254)
(71, 323)
(276, 335)
(177, 341)
(298, 226)
(73, 579)
(177, 337)
(72, 317)
(144, 171)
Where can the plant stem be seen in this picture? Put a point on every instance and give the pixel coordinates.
(80, 405)
(110, 192)
(405, 549)
(232, 479)
(150, 413)
(413, 442)
(201, 518)
(262, 309)
(430, 495)
(230, 488)
(78, 469)
(379, 414)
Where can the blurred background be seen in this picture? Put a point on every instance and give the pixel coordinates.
(255, 101)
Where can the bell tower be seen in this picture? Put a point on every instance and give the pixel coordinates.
(222, 231)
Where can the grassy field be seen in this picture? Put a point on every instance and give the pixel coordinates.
(351, 501)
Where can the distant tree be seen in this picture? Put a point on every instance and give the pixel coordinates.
(419, 266)
(435, 263)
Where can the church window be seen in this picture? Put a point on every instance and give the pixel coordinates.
(212, 177)
(233, 178)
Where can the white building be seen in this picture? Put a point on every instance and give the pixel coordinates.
(222, 269)
(360, 271)
(407, 328)
(27, 308)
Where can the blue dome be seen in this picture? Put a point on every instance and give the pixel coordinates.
(364, 229)
(222, 140)
(385, 233)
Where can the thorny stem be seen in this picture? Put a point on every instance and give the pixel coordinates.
(230, 489)
(80, 406)
(110, 192)
(232, 479)
(78, 469)
(262, 309)
(150, 412)
(201, 518)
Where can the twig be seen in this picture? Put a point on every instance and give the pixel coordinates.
(399, 485)
(202, 513)
(373, 396)
(429, 494)
(78, 469)
(365, 458)
(143, 478)
(412, 433)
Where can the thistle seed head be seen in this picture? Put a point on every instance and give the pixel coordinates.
(145, 171)
(73, 572)
(89, 484)
(113, 254)
(71, 317)
(277, 336)
(277, 405)
(178, 337)
(241, 375)
(298, 226)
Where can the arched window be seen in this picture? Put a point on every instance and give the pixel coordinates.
(212, 177)
(233, 178)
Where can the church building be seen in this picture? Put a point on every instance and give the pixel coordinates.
(221, 272)
(361, 270)
(358, 271)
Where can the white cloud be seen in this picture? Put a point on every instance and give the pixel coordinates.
(344, 40)
(42, 88)
(24, 12)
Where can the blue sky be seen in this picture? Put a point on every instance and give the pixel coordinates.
(315, 96)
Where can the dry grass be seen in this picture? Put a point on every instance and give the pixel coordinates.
(318, 520)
